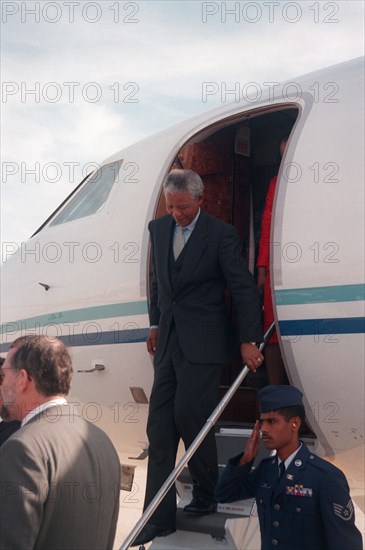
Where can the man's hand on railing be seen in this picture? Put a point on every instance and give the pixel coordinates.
(251, 356)
(252, 445)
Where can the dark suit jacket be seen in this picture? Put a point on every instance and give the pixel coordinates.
(7, 428)
(309, 509)
(60, 478)
(212, 262)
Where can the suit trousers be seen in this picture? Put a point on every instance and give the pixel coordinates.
(183, 396)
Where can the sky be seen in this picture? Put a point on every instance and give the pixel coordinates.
(82, 80)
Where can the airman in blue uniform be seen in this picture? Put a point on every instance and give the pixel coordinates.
(303, 501)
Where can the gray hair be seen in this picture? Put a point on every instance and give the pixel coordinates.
(46, 360)
(184, 181)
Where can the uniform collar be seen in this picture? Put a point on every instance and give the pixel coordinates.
(290, 458)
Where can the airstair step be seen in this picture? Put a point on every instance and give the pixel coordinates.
(214, 531)
(212, 524)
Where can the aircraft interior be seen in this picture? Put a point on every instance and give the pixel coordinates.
(236, 159)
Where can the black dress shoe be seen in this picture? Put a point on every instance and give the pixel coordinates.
(150, 531)
(200, 506)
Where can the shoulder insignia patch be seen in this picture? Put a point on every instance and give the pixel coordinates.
(344, 512)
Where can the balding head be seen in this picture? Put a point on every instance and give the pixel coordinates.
(47, 362)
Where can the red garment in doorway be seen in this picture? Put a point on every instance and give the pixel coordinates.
(264, 258)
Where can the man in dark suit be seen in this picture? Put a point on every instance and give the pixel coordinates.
(303, 501)
(6, 427)
(59, 474)
(195, 257)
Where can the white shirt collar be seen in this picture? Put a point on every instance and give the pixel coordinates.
(189, 228)
(191, 225)
(290, 458)
(43, 407)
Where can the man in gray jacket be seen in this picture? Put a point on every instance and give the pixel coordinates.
(59, 474)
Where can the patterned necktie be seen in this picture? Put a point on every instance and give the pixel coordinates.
(179, 241)
(281, 470)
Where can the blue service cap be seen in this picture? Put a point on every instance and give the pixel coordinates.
(272, 398)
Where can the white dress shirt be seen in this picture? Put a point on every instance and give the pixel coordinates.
(43, 407)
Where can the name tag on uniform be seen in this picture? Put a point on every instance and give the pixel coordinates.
(299, 491)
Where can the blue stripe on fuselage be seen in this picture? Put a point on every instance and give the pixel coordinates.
(331, 326)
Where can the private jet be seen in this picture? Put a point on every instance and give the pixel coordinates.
(85, 274)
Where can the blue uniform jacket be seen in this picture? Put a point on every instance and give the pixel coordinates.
(310, 508)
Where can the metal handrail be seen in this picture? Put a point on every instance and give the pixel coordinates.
(190, 451)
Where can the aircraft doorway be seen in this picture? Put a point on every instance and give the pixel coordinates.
(236, 159)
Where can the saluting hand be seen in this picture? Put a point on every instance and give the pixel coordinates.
(252, 445)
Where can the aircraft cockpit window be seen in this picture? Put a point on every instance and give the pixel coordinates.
(92, 195)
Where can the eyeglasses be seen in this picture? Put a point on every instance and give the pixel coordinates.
(2, 369)
(13, 369)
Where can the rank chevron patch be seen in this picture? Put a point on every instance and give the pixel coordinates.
(344, 512)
